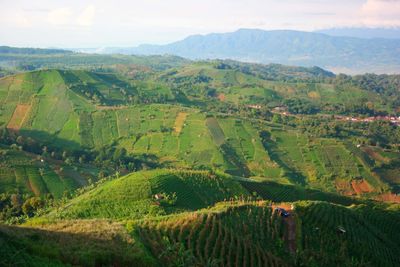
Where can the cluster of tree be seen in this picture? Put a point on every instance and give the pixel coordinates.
(301, 106)
(118, 158)
(109, 156)
(377, 133)
(276, 72)
(14, 205)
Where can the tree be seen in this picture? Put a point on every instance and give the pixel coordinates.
(31, 205)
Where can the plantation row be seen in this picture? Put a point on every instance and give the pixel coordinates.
(238, 235)
(37, 181)
(362, 243)
(22, 173)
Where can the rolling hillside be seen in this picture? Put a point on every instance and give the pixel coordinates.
(146, 194)
(171, 119)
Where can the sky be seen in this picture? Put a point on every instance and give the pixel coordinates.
(80, 24)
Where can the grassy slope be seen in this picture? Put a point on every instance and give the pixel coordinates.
(66, 243)
(132, 196)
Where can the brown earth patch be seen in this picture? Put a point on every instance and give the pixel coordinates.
(221, 97)
(361, 187)
(283, 205)
(344, 187)
(179, 121)
(111, 107)
(19, 116)
(290, 226)
(389, 197)
(314, 95)
(290, 236)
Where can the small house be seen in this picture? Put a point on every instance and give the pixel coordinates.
(158, 196)
(341, 230)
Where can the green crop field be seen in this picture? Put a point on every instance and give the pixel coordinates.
(22, 173)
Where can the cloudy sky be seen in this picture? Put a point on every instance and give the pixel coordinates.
(71, 23)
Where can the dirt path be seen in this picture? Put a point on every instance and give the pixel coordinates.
(290, 233)
(290, 226)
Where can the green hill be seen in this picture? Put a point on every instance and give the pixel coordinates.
(160, 192)
(152, 193)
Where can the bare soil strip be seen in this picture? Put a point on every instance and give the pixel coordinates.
(19, 116)
(179, 122)
(361, 187)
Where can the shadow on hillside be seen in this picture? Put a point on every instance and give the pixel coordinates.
(21, 246)
(51, 140)
(231, 156)
(293, 175)
(290, 193)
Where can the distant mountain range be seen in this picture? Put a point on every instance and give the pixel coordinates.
(387, 33)
(335, 53)
(31, 51)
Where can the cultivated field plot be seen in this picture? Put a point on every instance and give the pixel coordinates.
(25, 174)
(244, 138)
(196, 144)
(13, 91)
(179, 122)
(321, 161)
(320, 224)
(19, 116)
(222, 233)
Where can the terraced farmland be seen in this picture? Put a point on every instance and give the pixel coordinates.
(363, 242)
(237, 235)
(24, 174)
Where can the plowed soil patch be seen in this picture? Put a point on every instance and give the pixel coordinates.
(344, 187)
(389, 197)
(179, 122)
(361, 187)
(19, 116)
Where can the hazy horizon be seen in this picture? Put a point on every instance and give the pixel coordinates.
(88, 24)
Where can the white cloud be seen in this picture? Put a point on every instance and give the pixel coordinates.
(381, 13)
(59, 16)
(87, 16)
